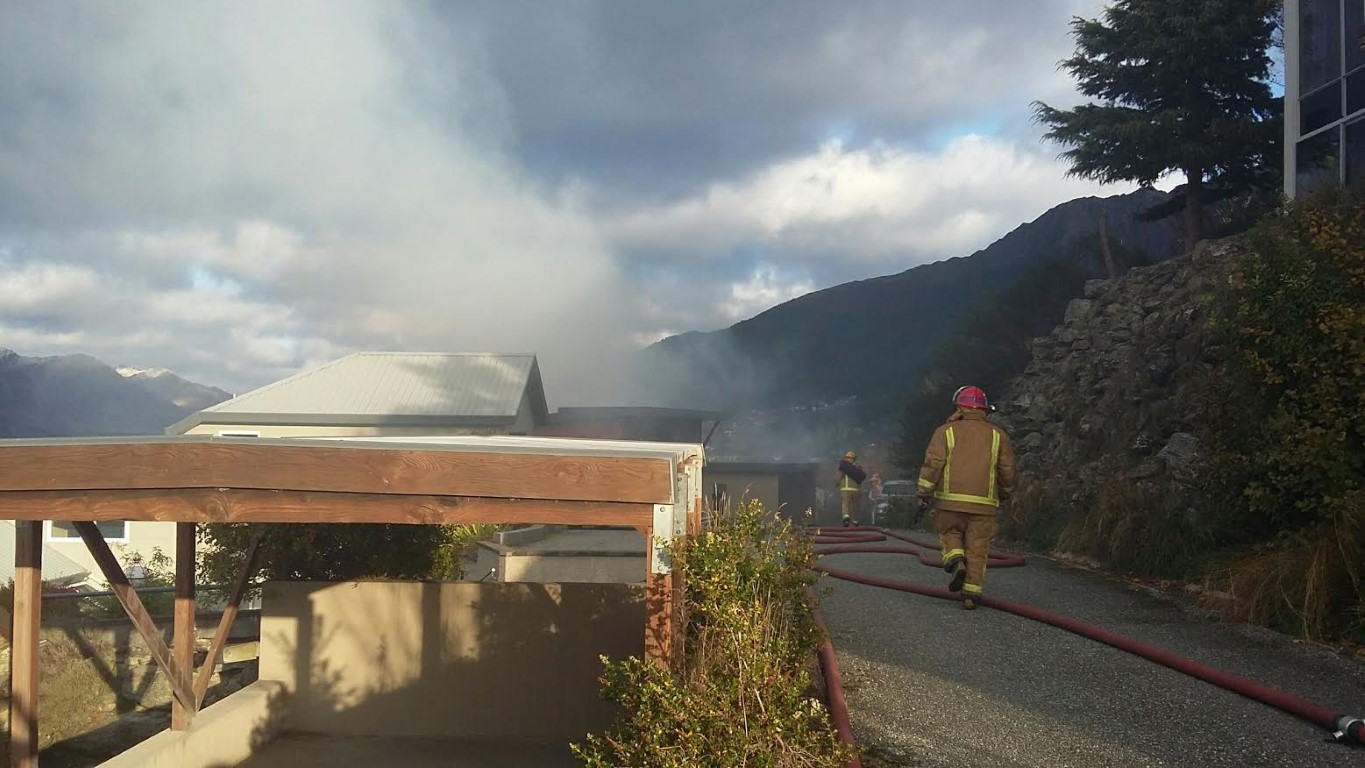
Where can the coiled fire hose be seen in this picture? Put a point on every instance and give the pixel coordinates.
(1346, 729)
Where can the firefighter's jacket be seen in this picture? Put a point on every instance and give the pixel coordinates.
(969, 466)
(846, 483)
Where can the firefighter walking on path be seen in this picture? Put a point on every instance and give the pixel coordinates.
(968, 469)
(849, 480)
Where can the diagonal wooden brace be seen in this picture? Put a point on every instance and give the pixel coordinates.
(201, 682)
(179, 679)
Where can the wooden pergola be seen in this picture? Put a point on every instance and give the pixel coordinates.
(652, 487)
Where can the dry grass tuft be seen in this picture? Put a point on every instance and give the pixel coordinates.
(1310, 584)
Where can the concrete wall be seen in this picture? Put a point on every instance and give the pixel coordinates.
(457, 660)
(742, 486)
(594, 568)
(221, 735)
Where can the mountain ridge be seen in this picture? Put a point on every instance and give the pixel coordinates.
(873, 338)
(78, 395)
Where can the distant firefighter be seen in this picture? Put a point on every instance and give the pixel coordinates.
(849, 480)
(968, 469)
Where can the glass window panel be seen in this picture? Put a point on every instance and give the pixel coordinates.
(1318, 161)
(1355, 92)
(111, 530)
(1355, 20)
(1319, 109)
(1355, 154)
(1319, 43)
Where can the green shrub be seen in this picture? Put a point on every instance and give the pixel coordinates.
(1288, 434)
(337, 552)
(741, 695)
(1291, 437)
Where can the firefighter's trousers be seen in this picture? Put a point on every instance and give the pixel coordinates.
(852, 499)
(967, 535)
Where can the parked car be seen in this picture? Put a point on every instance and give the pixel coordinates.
(898, 506)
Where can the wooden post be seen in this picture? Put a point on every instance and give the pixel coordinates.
(182, 688)
(658, 608)
(28, 607)
(201, 683)
(183, 639)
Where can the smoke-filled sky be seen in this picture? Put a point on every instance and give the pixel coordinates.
(237, 190)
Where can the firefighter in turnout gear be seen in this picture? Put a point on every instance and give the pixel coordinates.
(849, 480)
(968, 469)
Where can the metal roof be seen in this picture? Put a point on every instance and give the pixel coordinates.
(510, 444)
(57, 568)
(720, 466)
(574, 413)
(391, 388)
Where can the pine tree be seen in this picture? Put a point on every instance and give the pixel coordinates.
(1182, 86)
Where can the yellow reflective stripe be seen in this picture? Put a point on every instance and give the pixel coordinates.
(971, 589)
(847, 484)
(984, 500)
(950, 554)
(995, 459)
(925, 482)
(948, 462)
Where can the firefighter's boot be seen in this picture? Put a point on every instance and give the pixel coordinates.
(959, 577)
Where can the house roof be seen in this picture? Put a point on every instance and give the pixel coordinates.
(607, 413)
(57, 568)
(760, 467)
(389, 389)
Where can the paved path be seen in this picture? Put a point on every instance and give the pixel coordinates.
(931, 685)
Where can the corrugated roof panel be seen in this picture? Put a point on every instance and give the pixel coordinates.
(397, 384)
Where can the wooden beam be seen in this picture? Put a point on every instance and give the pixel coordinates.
(183, 637)
(252, 506)
(152, 465)
(201, 682)
(23, 671)
(181, 687)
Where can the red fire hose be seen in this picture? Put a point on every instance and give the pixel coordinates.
(834, 682)
(1346, 729)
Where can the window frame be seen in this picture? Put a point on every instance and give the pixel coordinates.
(124, 539)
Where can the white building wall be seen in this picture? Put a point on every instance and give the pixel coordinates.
(143, 538)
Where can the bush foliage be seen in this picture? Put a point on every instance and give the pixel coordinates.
(337, 552)
(741, 695)
(1289, 437)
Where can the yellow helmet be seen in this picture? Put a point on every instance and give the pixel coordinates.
(850, 456)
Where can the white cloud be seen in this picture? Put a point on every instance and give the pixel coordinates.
(39, 288)
(766, 287)
(878, 205)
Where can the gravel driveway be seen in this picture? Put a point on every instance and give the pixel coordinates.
(932, 685)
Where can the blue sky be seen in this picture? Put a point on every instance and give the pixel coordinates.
(234, 191)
